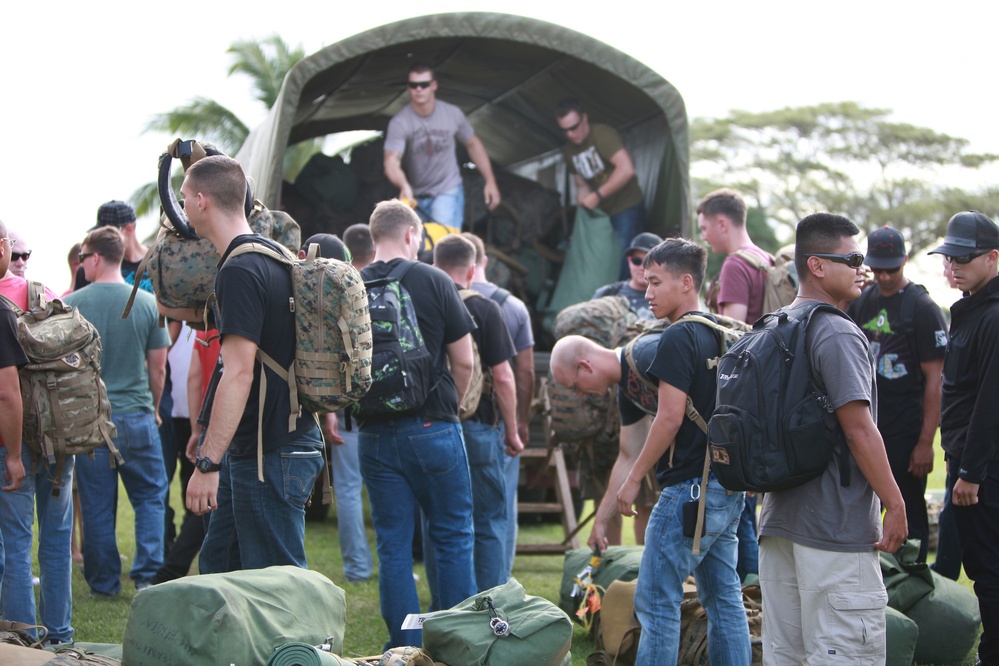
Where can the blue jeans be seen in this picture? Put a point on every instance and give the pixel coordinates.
(55, 522)
(511, 474)
(447, 208)
(628, 223)
(258, 525)
(407, 462)
(347, 486)
(486, 454)
(145, 483)
(668, 560)
(749, 545)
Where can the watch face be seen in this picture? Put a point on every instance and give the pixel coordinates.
(206, 465)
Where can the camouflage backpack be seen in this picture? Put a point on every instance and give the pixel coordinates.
(183, 270)
(403, 373)
(332, 365)
(66, 407)
(481, 378)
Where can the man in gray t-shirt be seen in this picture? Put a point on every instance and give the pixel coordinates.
(819, 571)
(420, 153)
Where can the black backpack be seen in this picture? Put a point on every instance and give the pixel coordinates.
(402, 372)
(771, 429)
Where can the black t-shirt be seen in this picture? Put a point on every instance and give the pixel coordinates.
(634, 398)
(443, 319)
(253, 292)
(11, 353)
(897, 356)
(494, 344)
(681, 361)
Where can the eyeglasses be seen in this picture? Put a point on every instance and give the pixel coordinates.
(888, 271)
(17, 256)
(636, 261)
(853, 260)
(573, 128)
(9, 240)
(965, 258)
(419, 84)
(85, 255)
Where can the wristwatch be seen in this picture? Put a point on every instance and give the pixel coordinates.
(206, 465)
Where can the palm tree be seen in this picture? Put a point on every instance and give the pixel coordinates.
(266, 62)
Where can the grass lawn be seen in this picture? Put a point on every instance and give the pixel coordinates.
(103, 621)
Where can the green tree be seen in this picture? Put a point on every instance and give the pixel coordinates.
(839, 157)
(266, 62)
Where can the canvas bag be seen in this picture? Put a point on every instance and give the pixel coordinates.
(66, 407)
(537, 632)
(616, 563)
(238, 618)
(332, 364)
(781, 286)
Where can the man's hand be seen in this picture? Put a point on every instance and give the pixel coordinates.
(894, 532)
(965, 493)
(492, 195)
(514, 445)
(598, 537)
(202, 492)
(921, 460)
(523, 433)
(331, 425)
(15, 473)
(589, 200)
(406, 196)
(626, 497)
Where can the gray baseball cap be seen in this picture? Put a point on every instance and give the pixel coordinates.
(966, 232)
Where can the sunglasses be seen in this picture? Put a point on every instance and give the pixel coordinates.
(636, 261)
(419, 84)
(86, 255)
(963, 259)
(17, 256)
(889, 271)
(853, 260)
(573, 128)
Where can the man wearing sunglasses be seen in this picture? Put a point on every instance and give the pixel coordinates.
(969, 420)
(603, 171)
(907, 335)
(634, 288)
(19, 254)
(420, 153)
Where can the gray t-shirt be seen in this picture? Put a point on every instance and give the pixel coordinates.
(822, 513)
(427, 145)
(515, 315)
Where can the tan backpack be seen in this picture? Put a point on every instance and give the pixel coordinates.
(66, 407)
(481, 377)
(781, 285)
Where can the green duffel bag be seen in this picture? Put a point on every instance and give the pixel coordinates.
(500, 627)
(237, 618)
(949, 623)
(902, 636)
(617, 563)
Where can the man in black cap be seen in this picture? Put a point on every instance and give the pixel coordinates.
(907, 336)
(969, 420)
(634, 287)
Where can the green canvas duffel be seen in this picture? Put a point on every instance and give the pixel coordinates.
(235, 618)
(902, 636)
(500, 627)
(949, 611)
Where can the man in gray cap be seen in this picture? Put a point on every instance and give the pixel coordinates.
(907, 336)
(634, 287)
(969, 420)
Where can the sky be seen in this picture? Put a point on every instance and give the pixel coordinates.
(80, 81)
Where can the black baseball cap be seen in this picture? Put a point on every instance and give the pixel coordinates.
(643, 242)
(885, 248)
(114, 213)
(330, 246)
(966, 232)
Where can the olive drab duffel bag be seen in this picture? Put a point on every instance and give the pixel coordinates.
(503, 626)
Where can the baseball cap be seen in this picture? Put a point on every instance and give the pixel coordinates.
(114, 213)
(966, 232)
(644, 242)
(885, 248)
(330, 247)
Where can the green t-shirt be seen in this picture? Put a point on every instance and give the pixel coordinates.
(124, 341)
(591, 160)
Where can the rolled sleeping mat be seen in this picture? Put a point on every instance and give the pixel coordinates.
(303, 654)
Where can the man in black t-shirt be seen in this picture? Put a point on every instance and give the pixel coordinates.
(908, 337)
(256, 521)
(486, 440)
(420, 459)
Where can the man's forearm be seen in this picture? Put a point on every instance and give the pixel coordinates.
(10, 422)
(523, 370)
(480, 158)
(868, 450)
(506, 395)
(227, 411)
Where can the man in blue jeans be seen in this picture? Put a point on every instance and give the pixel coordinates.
(675, 270)
(418, 458)
(256, 521)
(603, 172)
(487, 441)
(133, 369)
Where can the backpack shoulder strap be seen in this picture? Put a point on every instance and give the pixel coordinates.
(910, 295)
(755, 260)
(36, 295)
(18, 312)
(468, 293)
(500, 295)
(285, 256)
